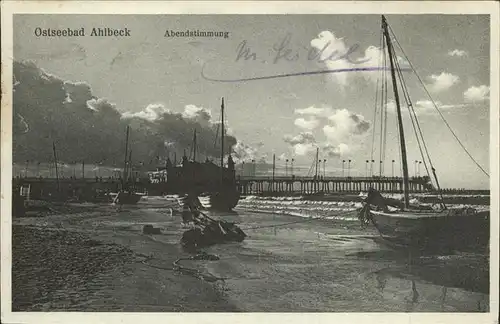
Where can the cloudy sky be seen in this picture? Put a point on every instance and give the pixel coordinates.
(147, 74)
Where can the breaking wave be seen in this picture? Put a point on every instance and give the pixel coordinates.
(326, 208)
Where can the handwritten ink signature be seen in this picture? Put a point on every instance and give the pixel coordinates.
(284, 52)
(286, 75)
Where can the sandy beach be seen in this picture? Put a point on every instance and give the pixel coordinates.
(96, 258)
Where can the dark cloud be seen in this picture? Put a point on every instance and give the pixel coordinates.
(361, 125)
(85, 127)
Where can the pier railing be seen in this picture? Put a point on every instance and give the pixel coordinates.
(259, 184)
(327, 184)
(323, 178)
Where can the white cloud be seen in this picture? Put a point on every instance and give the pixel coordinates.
(422, 107)
(243, 152)
(283, 157)
(304, 149)
(344, 124)
(313, 111)
(333, 52)
(309, 124)
(330, 48)
(302, 143)
(443, 81)
(201, 115)
(335, 150)
(340, 126)
(477, 93)
(302, 138)
(151, 113)
(391, 106)
(457, 52)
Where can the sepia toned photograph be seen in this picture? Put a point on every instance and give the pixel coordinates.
(261, 163)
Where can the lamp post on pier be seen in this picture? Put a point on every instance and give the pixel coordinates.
(349, 169)
(286, 167)
(26, 169)
(393, 168)
(343, 163)
(371, 168)
(324, 168)
(291, 167)
(366, 168)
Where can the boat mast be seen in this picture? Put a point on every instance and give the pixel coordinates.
(317, 161)
(194, 146)
(130, 169)
(55, 162)
(398, 109)
(126, 156)
(274, 167)
(222, 136)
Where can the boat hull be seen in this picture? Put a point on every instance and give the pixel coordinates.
(224, 200)
(128, 198)
(435, 232)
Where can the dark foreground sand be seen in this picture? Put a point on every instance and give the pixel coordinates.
(65, 270)
(97, 259)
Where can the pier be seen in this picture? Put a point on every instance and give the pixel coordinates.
(43, 188)
(283, 185)
(247, 185)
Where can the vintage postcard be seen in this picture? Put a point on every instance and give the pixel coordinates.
(249, 161)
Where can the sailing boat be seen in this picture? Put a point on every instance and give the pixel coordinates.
(204, 179)
(226, 195)
(417, 227)
(127, 196)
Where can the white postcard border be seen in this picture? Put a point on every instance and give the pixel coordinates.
(226, 7)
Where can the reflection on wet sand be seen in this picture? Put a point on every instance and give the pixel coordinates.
(449, 273)
(316, 266)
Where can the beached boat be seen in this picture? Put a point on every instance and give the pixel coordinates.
(425, 228)
(217, 182)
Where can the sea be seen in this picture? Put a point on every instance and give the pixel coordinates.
(301, 255)
(312, 254)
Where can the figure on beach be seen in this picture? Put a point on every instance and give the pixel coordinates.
(190, 208)
(206, 230)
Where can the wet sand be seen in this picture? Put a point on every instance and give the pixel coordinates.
(99, 260)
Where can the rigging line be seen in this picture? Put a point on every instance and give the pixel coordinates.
(216, 135)
(310, 170)
(413, 118)
(417, 122)
(381, 122)
(420, 131)
(376, 100)
(399, 151)
(312, 167)
(399, 145)
(385, 120)
(437, 109)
